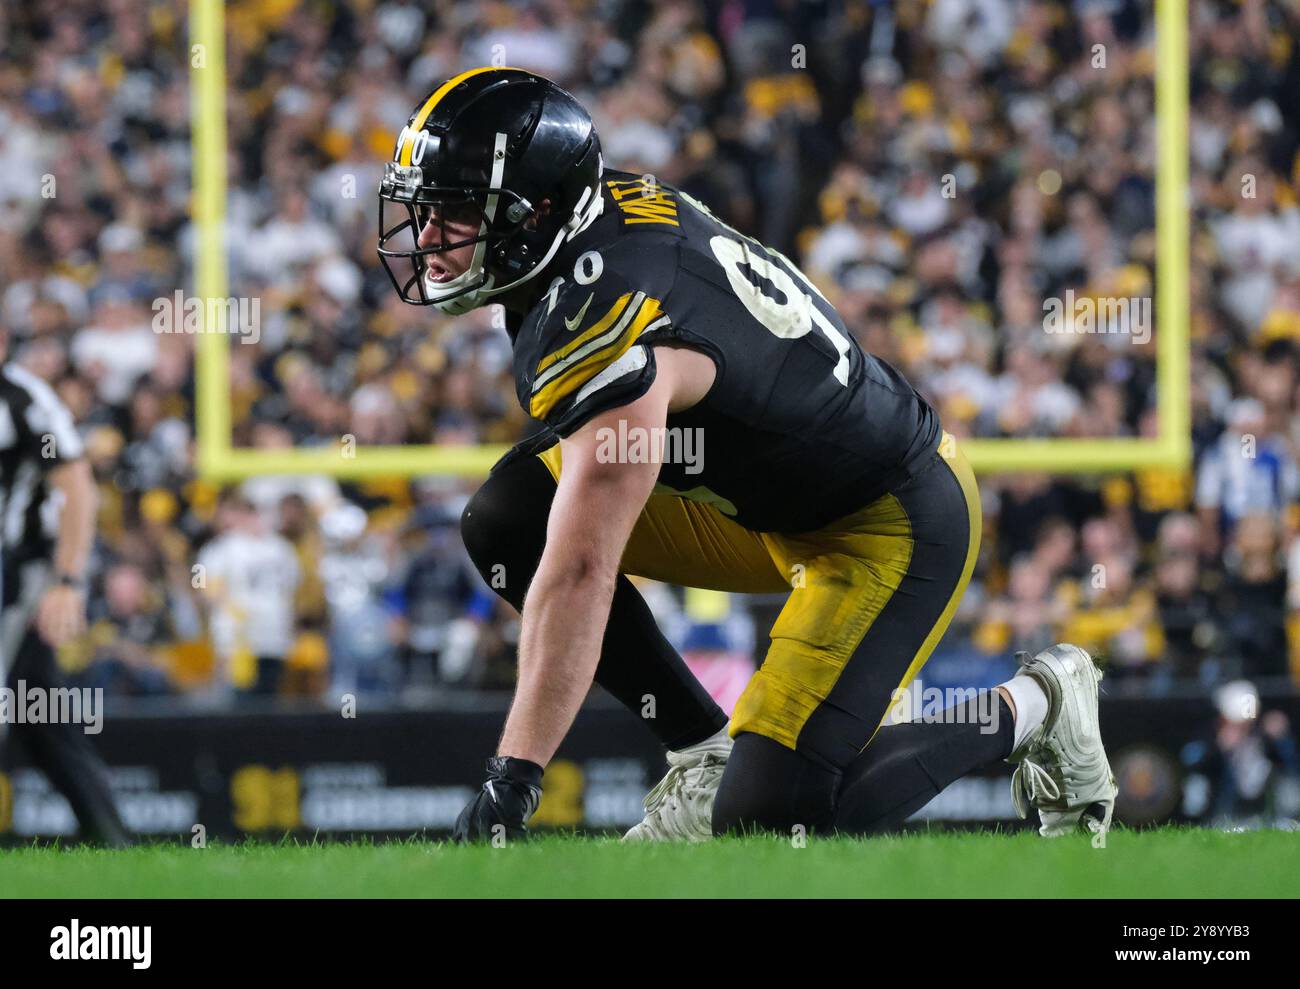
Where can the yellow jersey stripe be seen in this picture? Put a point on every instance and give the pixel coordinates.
(592, 346)
(599, 327)
(596, 343)
(546, 399)
(435, 99)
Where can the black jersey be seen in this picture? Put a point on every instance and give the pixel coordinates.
(801, 425)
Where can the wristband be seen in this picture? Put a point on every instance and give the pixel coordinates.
(520, 770)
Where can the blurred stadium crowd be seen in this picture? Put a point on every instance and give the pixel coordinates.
(940, 168)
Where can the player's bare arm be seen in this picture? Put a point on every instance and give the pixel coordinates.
(62, 611)
(565, 613)
(595, 507)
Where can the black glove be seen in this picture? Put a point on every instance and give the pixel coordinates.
(502, 808)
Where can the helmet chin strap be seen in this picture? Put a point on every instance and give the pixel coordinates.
(461, 301)
(466, 301)
(588, 208)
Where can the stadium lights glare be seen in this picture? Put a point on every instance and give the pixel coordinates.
(219, 460)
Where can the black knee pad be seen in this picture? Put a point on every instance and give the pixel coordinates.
(768, 787)
(504, 525)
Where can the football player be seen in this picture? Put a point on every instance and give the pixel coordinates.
(636, 317)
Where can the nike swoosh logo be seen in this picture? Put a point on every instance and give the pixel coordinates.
(572, 324)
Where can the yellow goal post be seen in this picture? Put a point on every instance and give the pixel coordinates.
(219, 460)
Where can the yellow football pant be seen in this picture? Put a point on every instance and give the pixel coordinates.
(870, 595)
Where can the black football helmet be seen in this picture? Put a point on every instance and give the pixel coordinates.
(486, 149)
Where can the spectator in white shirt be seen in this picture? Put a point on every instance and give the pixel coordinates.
(1248, 471)
(249, 577)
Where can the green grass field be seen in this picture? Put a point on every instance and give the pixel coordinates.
(1166, 863)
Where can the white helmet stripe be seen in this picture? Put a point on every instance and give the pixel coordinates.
(437, 290)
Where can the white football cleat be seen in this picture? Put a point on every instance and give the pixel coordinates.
(1062, 767)
(680, 807)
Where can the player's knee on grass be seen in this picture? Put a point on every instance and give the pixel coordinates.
(768, 787)
(504, 525)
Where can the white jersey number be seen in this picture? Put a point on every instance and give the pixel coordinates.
(788, 320)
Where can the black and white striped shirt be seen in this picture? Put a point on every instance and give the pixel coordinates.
(37, 433)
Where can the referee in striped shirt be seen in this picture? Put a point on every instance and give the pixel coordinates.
(46, 487)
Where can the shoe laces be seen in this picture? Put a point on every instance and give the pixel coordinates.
(1029, 782)
(671, 784)
(675, 781)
